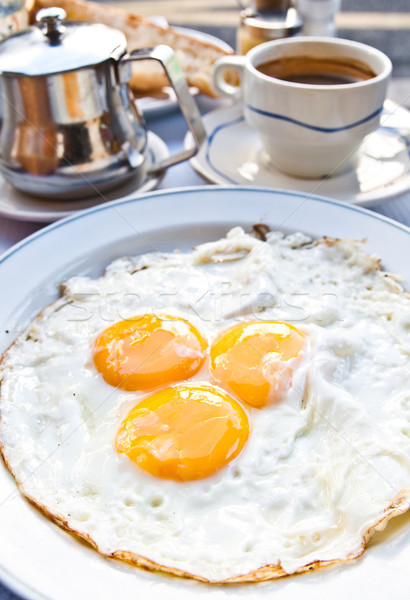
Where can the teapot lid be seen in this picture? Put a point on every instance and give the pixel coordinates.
(55, 46)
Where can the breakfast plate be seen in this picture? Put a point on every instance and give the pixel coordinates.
(37, 559)
(159, 102)
(23, 207)
(233, 155)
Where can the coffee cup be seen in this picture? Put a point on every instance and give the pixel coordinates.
(313, 100)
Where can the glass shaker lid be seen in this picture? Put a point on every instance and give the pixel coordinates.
(271, 25)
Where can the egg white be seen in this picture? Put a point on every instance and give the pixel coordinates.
(319, 471)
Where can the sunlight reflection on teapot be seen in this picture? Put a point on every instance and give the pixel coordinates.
(70, 123)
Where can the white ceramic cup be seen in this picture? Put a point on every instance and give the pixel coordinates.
(308, 130)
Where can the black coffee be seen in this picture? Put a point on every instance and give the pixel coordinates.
(317, 71)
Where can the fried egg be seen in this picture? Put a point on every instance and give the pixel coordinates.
(237, 413)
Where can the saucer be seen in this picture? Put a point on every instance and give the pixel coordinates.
(233, 154)
(23, 207)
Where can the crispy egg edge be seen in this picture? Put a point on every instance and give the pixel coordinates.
(398, 506)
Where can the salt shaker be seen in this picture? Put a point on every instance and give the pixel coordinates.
(319, 16)
(266, 20)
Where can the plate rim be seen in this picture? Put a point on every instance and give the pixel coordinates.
(21, 587)
(187, 190)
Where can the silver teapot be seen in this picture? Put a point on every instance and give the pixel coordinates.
(70, 124)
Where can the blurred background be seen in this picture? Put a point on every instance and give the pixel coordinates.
(380, 23)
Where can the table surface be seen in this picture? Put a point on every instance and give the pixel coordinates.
(171, 128)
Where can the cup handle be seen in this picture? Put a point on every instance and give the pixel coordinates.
(166, 57)
(219, 83)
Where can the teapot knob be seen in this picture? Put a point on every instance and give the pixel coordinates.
(50, 22)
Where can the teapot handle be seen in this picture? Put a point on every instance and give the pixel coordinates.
(166, 56)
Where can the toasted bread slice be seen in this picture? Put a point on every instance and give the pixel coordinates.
(196, 58)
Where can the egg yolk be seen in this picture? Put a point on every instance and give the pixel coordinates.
(184, 432)
(255, 360)
(149, 351)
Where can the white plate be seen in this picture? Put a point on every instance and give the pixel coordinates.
(165, 100)
(233, 154)
(39, 560)
(23, 207)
